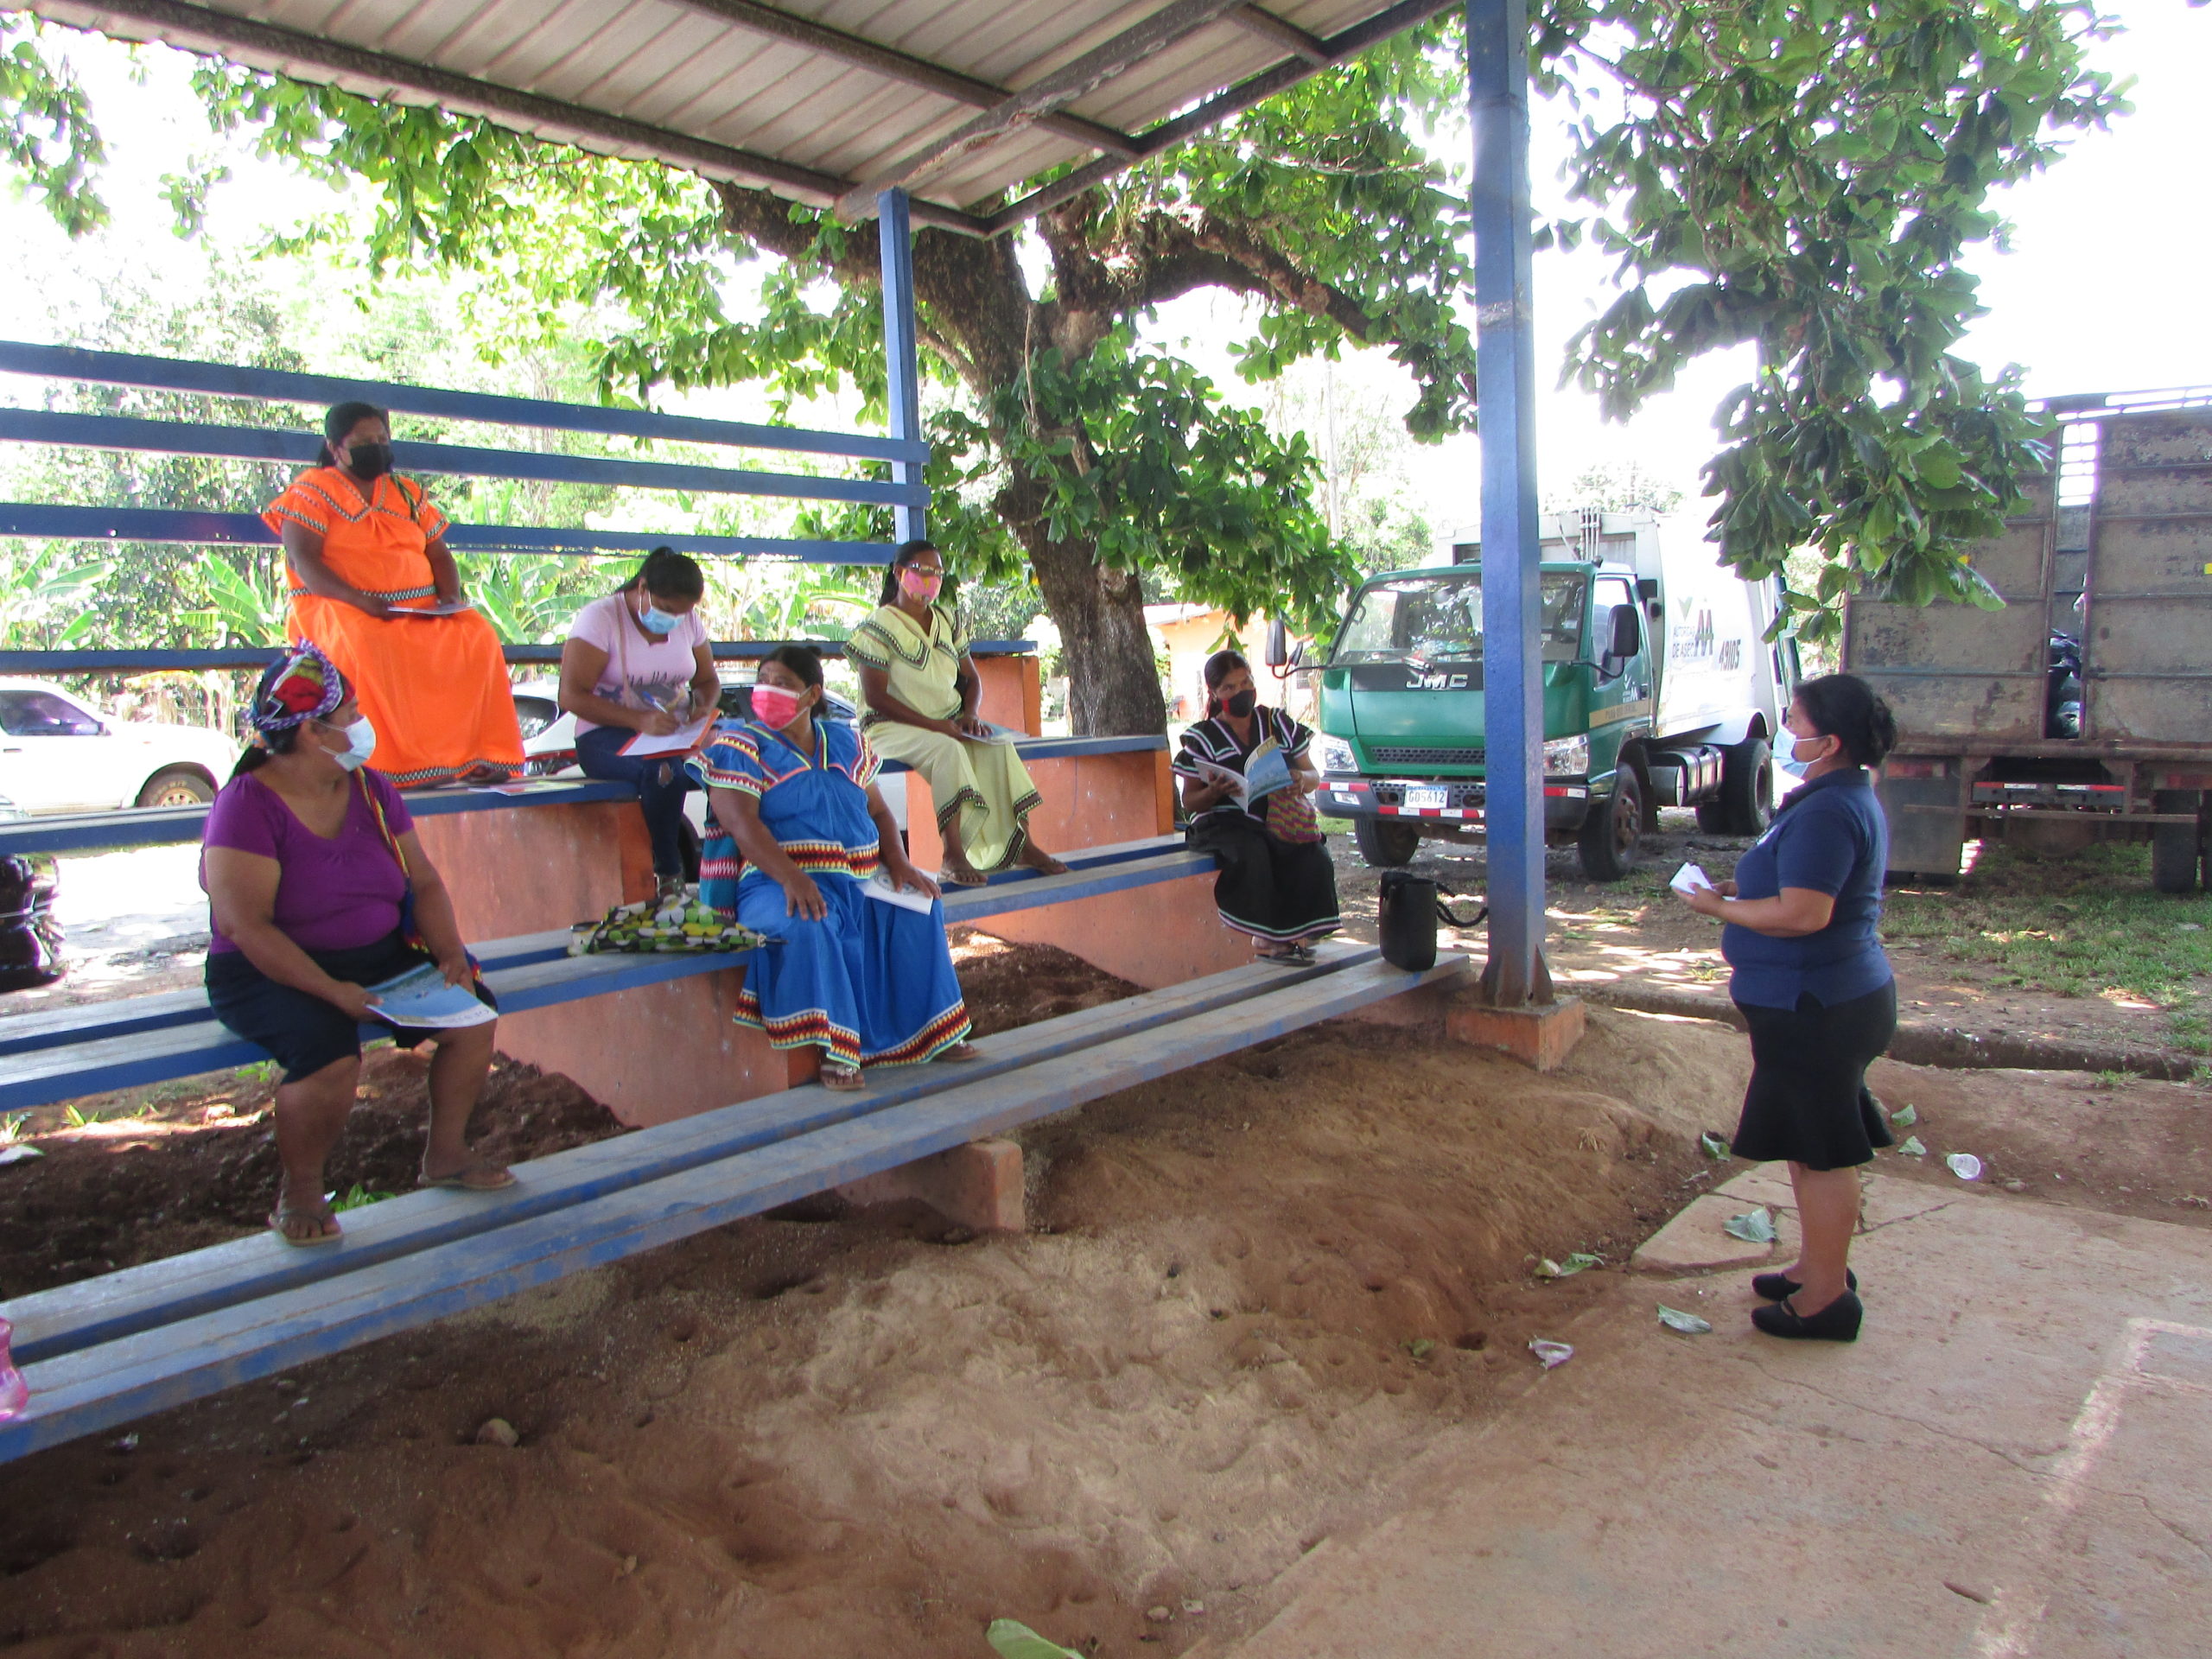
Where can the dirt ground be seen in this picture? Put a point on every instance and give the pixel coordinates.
(1251, 1296)
(134, 1177)
(1636, 934)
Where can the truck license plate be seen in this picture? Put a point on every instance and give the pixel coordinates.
(1420, 799)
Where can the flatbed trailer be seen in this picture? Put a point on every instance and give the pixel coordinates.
(2083, 710)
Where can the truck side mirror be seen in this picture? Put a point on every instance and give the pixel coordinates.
(1278, 649)
(1628, 634)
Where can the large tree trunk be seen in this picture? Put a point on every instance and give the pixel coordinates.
(1113, 681)
(980, 319)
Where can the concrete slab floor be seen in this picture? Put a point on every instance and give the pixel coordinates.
(2014, 1459)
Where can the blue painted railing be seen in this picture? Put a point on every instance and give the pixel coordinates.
(301, 447)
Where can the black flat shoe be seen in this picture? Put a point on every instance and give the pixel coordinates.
(1837, 1322)
(1776, 1286)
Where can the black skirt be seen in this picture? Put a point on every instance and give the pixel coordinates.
(304, 1033)
(1277, 890)
(1807, 1101)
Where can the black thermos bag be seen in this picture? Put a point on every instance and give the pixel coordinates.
(1407, 921)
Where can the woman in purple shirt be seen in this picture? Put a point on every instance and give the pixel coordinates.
(309, 861)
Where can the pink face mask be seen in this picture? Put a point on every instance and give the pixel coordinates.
(774, 707)
(919, 584)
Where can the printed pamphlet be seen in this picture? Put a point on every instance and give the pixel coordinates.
(421, 997)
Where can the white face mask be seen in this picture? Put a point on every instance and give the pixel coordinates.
(360, 744)
(1792, 763)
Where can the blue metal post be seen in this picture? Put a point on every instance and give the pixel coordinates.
(911, 524)
(1497, 82)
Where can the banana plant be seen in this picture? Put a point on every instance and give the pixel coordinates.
(45, 588)
(245, 608)
(530, 599)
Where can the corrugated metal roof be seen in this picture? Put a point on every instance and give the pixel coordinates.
(962, 102)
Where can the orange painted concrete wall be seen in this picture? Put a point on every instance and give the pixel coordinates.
(527, 869)
(1155, 936)
(658, 1052)
(1012, 692)
(1091, 800)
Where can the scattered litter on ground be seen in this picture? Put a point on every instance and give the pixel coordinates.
(1551, 1354)
(1756, 1227)
(1580, 1261)
(1912, 1148)
(497, 1431)
(19, 1154)
(1965, 1166)
(1194, 1608)
(1689, 1323)
(1905, 1117)
(1715, 1147)
(1972, 1593)
(1015, 1640)
(1161, 1614)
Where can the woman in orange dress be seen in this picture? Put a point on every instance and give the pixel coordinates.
(374, 586)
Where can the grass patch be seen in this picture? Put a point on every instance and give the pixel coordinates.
(2086, 926)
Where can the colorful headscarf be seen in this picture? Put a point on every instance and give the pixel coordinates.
(305, 685)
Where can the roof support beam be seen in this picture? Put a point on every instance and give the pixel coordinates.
(1258, 20)
(1242, 96)
(864, 54)
(307, 57)
(1163, 29)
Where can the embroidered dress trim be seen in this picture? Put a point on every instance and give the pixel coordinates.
(815, 1028)
(392, 596)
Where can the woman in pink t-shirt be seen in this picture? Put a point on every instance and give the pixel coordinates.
(309, 861)
(637, 663)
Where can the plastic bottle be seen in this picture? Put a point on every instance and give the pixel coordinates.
(15, 1393)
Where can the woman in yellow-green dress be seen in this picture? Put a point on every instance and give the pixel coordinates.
(921, 690)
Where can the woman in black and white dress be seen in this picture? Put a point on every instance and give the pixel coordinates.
(1276, 883)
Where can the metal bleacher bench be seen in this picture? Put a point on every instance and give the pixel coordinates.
(117, 1347)
(133, 1041)
(109, 1350)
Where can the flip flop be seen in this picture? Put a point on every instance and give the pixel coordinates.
(961, 1052)
(974, 878)
(283, 1213)
(837, 1075)
(471, 1178)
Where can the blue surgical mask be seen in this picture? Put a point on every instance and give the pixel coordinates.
(360, 744)
(1789, 762)
(658, 621)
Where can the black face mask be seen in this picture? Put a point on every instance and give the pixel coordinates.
(369, 460)
(1243, 703)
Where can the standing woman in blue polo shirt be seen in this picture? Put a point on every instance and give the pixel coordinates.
(1816, 993)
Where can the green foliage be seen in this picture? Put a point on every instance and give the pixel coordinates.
(530, 599)
(46, 133)
(2090, 925)
(1804, 175)
(1807, 177)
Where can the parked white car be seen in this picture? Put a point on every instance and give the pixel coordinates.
(58, 753)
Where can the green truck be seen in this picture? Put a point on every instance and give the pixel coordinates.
(1659, 689)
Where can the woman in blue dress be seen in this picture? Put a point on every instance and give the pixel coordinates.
(796, 830)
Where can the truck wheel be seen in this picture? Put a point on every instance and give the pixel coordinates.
(2173, 846)
(1610, 833)
(1385, 846)
(1747, 788)
(176, 786)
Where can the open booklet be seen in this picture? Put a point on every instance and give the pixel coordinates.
(1266, 770)
(440, 608)
(421, 997)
